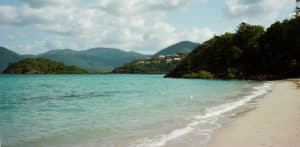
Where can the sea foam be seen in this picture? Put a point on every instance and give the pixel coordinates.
(210, 116)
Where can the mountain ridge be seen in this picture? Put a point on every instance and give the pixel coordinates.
(180, 47)
(97, 59)
(94, 59)
(7, 56)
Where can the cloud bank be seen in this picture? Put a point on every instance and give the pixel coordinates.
(257, 10)
(130, 25)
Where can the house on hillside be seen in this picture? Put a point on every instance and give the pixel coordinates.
(161, 56)
(140, 62)
(169, 60)
(177, 59)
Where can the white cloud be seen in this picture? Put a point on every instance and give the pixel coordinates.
(130, 25)
(8, 15)
(43, 3)
(134, 6)
(256, 10)
(200, 34)
(37, 46)
(53, 44)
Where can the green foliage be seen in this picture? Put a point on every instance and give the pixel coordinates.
(95, 59)
(150, 68)
(297, 11)
(202, 74)
(232, 73)
(153, 65)
(250, 53)
(42, 66)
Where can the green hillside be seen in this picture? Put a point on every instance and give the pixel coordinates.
(153, 65)
(181, 47)
(6, 57)
(249, 53)
(41, 66)
(95, 60)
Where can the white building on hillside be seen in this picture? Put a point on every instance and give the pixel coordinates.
(169, 60)
(177, 59)
(161, 56)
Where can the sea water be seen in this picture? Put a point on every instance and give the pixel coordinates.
(116, 110)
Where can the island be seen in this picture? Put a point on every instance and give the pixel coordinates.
(41, 66)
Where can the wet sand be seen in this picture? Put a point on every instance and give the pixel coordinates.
(274, 123)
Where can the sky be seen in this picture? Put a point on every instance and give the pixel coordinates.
(145, 26)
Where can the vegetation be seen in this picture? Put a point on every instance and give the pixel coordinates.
(297, 11)
(41, 66)
(202, 74)
(96, 60)
(249, 53)
(151, 68)
(154, 65)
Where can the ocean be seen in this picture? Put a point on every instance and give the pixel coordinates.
(118, 110)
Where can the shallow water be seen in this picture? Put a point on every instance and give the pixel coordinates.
(114, 110)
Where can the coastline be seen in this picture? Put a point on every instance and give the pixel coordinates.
(274, 122)
(200, 130)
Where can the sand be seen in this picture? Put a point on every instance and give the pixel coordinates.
(274, 123)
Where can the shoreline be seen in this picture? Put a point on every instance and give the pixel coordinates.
(200, 130)
(275, 121)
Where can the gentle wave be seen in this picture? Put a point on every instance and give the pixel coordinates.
(210, 117)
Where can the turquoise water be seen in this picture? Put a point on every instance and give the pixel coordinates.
(109, 110)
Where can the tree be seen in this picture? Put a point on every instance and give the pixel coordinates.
(250, 53)
(297, 11)
(42, 66)
(247, 35)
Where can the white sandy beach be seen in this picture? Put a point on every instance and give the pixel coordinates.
(274, 123)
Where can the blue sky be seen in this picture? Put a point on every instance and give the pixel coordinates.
(36, 26)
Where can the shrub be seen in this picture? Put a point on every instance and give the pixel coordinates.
(231, 73)
(202, 74)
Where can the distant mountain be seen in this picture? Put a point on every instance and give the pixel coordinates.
(95, 59)
(6, 57)
(42, 66)
(181, 47)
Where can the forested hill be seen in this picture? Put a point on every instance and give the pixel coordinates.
(41, 66)
(154, 65)
(6, 57)
(161, 62)
(180, 47)
(249, 53)
(95, 59)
